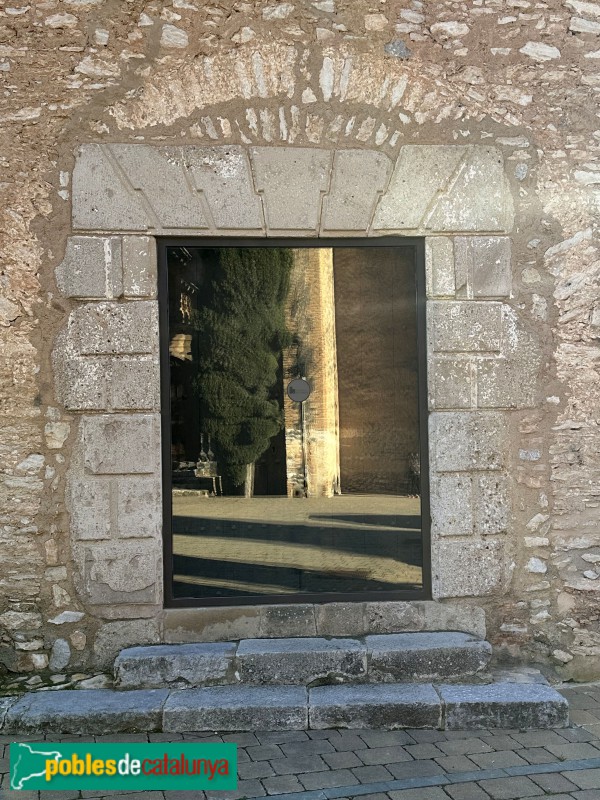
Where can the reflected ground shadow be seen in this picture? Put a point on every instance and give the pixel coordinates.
(227, 547)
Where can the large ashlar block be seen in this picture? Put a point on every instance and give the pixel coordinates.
(121, 443)
(465, 326)
(139, 266)
(451, 505)
(466, 440)
(111, 328)
(439, 266)
(359, 177)
(447, 188)
(291, 181)
(88, 503)
(468, 568)
(483, 266)
(119, 572)
(115, 636)
(491, 502)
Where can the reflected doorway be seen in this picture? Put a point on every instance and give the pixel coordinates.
(271, 495)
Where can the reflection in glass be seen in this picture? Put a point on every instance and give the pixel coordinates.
(274, 494)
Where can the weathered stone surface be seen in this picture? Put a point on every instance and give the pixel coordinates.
(121, 443)
(100, 200)
(60, 655)
(138, 503)
(91, 267)
(175, 665)
(224, 177)
(115, 636)
(300, 660)
(388, 706)
(287, 620)
(504, 705)
(236, 708)
(128, 328)
(139, 266)
(101, 383)
(88, 502)
(427, 182)
(358, 179)
(468, 569)
(483, 266)
(439, 266)
(90, 712)
(491, 503)
(451, 504)
(452, 381)
(119, 572)
(466, 440)
(393, 617)
(133, 383)
(465, 326)
(453, 617)
(340, 619)
(292, 181)
(211, 624)
(423, 656)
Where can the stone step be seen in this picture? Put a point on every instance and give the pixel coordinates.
(304, 661)
(248, 708)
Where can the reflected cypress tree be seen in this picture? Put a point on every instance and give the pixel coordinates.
(241, 333)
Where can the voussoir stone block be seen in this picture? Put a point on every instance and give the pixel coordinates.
(291, 181)
(359, 177)
(299, 660)
(468, 568)
(389, 706)
(425, 656)
(175, 666)
(121, 443)
(87, 711)
(466, 326)
(504, 705)
(236, 708)
(465, 440)
(224, 176)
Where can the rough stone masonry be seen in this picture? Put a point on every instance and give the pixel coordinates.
(125, 120)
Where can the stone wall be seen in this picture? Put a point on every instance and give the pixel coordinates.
(499, 87)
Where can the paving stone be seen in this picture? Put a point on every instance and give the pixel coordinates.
(241, 739)
(307, 748)
(510, 788)
(466, 791)
(426, 793)
(539, 738)
(345, 760)
(537, 755)
(585, 778)
(423, 751)
(586, 794)
(298, 764)
(328, 780)
(278, 737)
(414, 769)
(554, 783)
(387, 705)
(497, 759)
(500, 741)
(300, 660)
(282, 784)
(372, 773)
(577, 735)
(410, 656)
(504, 705)
(456, 764)
(567, 752)
(236, 708)
(255, 769)
(90, 711)
(462, 747)
(172, 665)
(264, 752)
(378, 738)
(383, 755)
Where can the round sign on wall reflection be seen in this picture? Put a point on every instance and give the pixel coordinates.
(298, 390)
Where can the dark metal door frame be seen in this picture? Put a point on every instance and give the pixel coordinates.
(418, 244)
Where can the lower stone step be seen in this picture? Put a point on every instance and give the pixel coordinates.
(304, 661)
(247, 708)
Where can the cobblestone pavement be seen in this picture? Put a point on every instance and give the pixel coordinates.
(390, 765)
